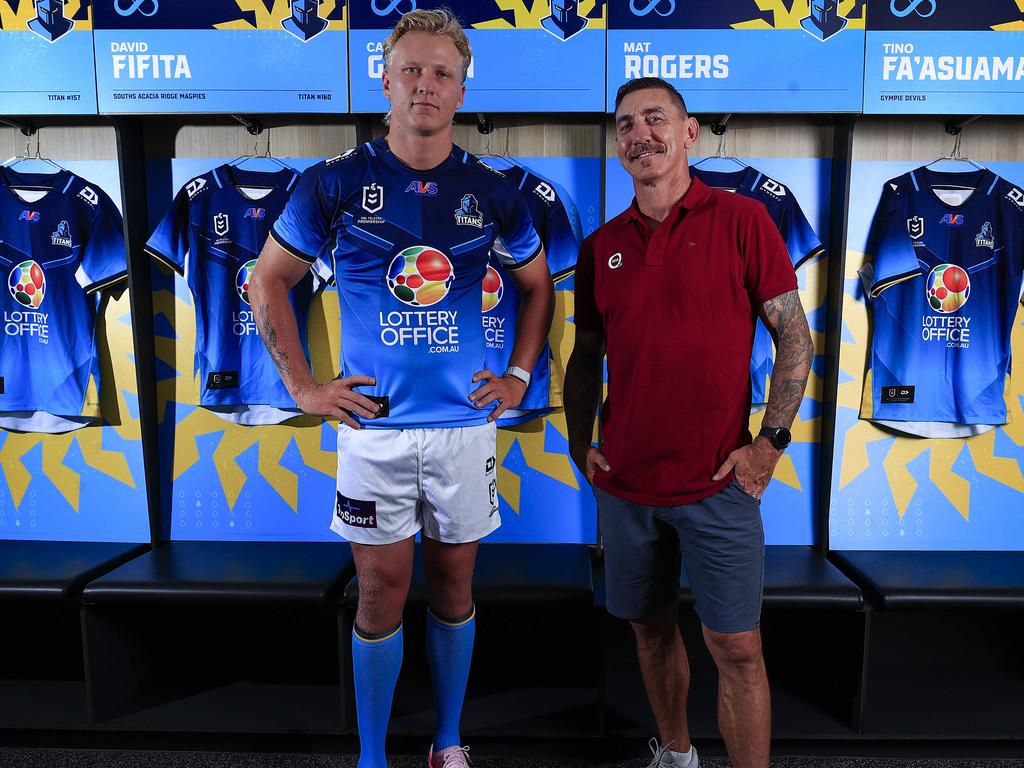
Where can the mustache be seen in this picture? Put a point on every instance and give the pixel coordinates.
(648, 146)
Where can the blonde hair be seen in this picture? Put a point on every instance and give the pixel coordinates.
(439, 22)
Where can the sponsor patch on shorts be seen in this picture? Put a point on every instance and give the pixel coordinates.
(355, 512)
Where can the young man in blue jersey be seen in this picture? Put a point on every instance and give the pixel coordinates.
(411, 220)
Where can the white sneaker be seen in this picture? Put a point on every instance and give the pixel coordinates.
(451, 757)
(662, 757)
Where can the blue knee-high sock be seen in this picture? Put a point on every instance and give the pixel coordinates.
(450, 651)
(375, 666)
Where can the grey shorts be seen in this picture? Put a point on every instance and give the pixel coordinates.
(720, 541)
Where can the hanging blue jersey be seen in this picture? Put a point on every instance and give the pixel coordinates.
(801, 241)
(213, 235)
(410, 251)
(557, 222)
(57, 253)
(945, 275)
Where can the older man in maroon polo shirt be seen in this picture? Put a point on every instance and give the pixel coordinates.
(671, 289)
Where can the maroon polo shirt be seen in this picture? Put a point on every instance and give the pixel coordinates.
(677, 307)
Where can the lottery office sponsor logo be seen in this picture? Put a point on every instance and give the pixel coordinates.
(494, 325)
(419, 277)
(27, 284)
(947, 290)
(242, 321)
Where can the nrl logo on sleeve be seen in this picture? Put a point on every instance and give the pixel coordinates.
(373, 197)
(468, 214)
(915, 226)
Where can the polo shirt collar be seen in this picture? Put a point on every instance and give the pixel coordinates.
(695, 195)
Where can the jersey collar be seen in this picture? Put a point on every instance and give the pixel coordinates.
(55, 182)
(383, 150)
(697, 193)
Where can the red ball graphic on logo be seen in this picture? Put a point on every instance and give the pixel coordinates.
(493, 288)
(948, 288)
(433, 265)
(420, 276)
(955, 279)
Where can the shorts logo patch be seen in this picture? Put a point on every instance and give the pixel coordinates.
(489, 465)
(356, 513)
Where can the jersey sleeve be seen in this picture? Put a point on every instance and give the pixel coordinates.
(563, 236)
(104, 259)
(586, 315)
(519, 242)
(890, 247)
(308, 220)
(801, 240)
(767, 265)
(169, 242)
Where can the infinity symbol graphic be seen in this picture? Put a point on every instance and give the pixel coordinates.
(389, 6)
(913, 6)
(135, 6)
(655, 6)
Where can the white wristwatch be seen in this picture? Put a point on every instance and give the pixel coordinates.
(517, 372)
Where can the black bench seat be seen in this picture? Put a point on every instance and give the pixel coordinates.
(940, 579)
(57, 570)
(236, 572)
(212, 635)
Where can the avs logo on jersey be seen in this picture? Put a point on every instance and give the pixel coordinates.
(221, 224)
(31, 216)
(468, 214)
(373, 197)
(255, 213)
(773, 188)
(985, 239)
(1016, 197)
(194, 187)
(423, 188)
(62, 236)
(88, 194)
(915, 226)
(952, 220)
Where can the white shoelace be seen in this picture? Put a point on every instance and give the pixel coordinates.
(657, 750)
(457, 758)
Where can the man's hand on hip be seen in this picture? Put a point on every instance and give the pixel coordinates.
(508, 391)
(336, 399)
(588, 459)
(753, 464)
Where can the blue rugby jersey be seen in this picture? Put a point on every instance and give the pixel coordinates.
(57, 253)
(212, 235)
(557, 222)
(801, 241)
(944, 279)
(410, 251)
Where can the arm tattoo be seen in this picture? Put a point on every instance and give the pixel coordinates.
(784, 316)
(269, 335)
(583, 385)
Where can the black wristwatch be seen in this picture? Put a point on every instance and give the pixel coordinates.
(780, 437)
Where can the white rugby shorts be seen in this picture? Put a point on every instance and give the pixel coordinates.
(393, 483)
